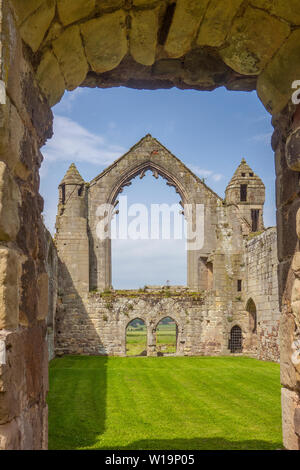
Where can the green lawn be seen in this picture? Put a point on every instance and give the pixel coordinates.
(164, 403)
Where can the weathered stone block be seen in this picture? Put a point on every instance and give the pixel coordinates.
(217, 22)
(69, 51)
(9, 288)
(50, 78)
(287, 10)
(245, 54)
(70, 11)
(105, 41)
(9, 205)
(140, 3)
(289, 403)
(296, 264)
(43, 301)
(24, 9)
(35, 27)
(110, 4)
(187, 18)
(297, 421)
(274, 86)
(293, 150)
(10, 436)
(287, 236)
(143, 35)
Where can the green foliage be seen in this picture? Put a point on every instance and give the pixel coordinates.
(164, 403)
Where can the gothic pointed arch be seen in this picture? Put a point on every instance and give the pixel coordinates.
(149, 154)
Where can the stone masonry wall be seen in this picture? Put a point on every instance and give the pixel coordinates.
(25, 123)
(97, 324)
(262, 287)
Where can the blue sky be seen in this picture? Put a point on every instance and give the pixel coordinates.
(209, 131)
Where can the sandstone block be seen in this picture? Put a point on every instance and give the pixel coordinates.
(24, 9)
(105, 41)
(287, 10)
(70, 11)
(298, 223)
(69, 51)
(245, 53)
(9, 205)
(289, 403)
(9, 288)
(10, 436)
(296, 264)
(186, 21)
(296, 291)
(274, 86)
(42, 284)
(110, 4)
(143, 36)
(50, 78)
(297, 421)
(217, 22)
(35, 27)
(293, 150)
(10, 145)
(140, 3)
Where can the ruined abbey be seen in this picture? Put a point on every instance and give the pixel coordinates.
(230, 304)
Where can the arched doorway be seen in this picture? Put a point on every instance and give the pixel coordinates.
(166, 336)
(236, 340)
(136, 338)
(251, 309)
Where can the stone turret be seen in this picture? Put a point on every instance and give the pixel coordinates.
(72, 234)
(247, 191)
(72, 192)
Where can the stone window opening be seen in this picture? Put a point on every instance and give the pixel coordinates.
(236, 340)
(136, 338)
(255, 219)
(239, 285)
(243, 193)
(80, 190)
(147, 176)
(251, 175)
(206, 273)
(63, 194)
(166, 337)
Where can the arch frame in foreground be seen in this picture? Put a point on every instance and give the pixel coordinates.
(182, 50)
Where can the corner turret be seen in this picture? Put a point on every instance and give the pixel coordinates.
(247, 191)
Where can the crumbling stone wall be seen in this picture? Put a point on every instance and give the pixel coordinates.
(97, 325)
(262, 287)
(52, 271)
(25, 123)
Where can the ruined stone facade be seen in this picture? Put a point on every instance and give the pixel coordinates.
(47, 46)
(227, 274)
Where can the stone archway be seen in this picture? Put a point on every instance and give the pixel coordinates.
(147, 154)
(48, 46)
(166, 346)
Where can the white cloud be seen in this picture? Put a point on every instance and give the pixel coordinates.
(73, 142)
(202, 173)
(265, 138)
